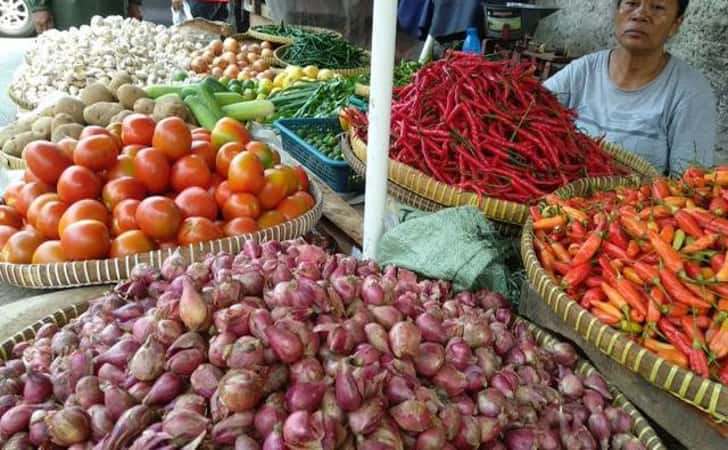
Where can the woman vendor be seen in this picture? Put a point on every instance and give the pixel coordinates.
(640, 96)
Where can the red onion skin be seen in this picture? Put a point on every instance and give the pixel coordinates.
(241, 390)
(267, 417)
(16, 419)
(88, 392)
(111, 333)
(205, 380)
(190, 402)
(38, 430)
(593, 401)
(348, 396)
(119, 354)
(451, 419)
(193, 310)
(167, 331)
(286, 345)
(619, 420)
(432, 328)
(305, 396)
(386, 315)
(260, 320)
(140, 390)
(372, 292)
(469, 435)
(299, 429)
(165, 389)
(458, 354)
(412, 416)
(184, 426)
(405, 339)
(451, 380)
(366, 419)
(571, 386)
(147, 364)
(432, 439)
(68, 426)
(596, 382)
(599, 426)
(245, 353)
(101, 424)
(18, 441)
(274, 440)
(218, 344)
(7, 401)
(128, 427)
(38, 388)
(185, 362)
(244, 442)
(398, 390)
(117, 401)
(307, 370)
(377, 336)
(276, 379)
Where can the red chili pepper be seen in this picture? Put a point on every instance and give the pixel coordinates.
(719, 341)
(696, 357)
(614, 251)
(608, 318)
(561, 254)
(700, 244)
(634, 227)
(633, 249)
(693, 269)
(561, 268)
(592, 295)
(660, 189)
(670, 257)
(708, 221)
(593, 281)
(647, 272)
(589, 247)
(577, 230)
(632, 295)
(678, 291)
(617, 236)
(688, 224)
(576, 276)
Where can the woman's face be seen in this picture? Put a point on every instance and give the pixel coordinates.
(645, 25)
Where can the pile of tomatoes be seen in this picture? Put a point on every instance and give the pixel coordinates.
(141, 185)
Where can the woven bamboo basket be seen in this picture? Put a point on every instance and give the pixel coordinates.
(87, 273)
(11, 162)
(706, 395)
(354, 71)
(640, 428)
(19, 100)
(288, 40)
(208, 26)
(500, 210)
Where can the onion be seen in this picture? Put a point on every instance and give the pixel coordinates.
(398, 390)
(469, 435)
(218, 348)
(432, 439)
(491, 402)
(111, 333)
(365, 419)
(129, 426)
(521, 439)
(260, 321)
(244, 442)
(100, 422)
(143, 327)
(593, 401)
(167, 331)
(190, 402)
(599, 426)
(571, 386)
(348, 396)
(274, 440)
(451, 380)
(148, 362)
(38, 430)
(267, 417)
(183, 426)
(88, 392)
(476, 333)
(38, 387)
(377, 337)
(458, 354)
(240, 390)
(18, 441)
(430, 359)
(185, 362)
(167, 387)
(386, 315)
(451, 419)
(193, 311)
(205, 379)
(117, 401)
(285, 344)
(305, 396)
(372, 292)
(620, 421)
(119, 354)
(404, 338)
(412, 415)
(596, 382)
(276, 379)
(7, 401)
(68, 426)
(244, 353)
(16, 419)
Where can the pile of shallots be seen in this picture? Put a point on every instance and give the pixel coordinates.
(284, 346)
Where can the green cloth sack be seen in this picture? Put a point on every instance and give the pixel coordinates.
(457, 244)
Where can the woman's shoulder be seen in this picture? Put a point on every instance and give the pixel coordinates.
(593, 60)
(690, 81)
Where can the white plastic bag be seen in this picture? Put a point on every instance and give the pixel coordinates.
(184, 13)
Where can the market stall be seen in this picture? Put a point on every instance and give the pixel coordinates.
(216, 200)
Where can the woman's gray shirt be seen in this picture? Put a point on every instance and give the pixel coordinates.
(671, 122)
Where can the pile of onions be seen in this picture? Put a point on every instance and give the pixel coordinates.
(234, 60)
(285, 346)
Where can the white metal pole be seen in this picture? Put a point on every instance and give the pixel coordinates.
(384, 37)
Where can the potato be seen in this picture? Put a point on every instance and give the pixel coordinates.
(144, 106)
(119, 79)
(26, 121)
(9, 131)
(95, 93)
(129, 94)
(15, 145)
(168, 106)
(61, 119)
(43, 126)
(120, 117)
(47, 110)
(72, 130)
(71, 106)
(101, 113)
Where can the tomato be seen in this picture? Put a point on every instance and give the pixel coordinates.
(172, 137)
(20, 247)
(306, 198)
(124, 167)
(121, 189)
(199, 136)
(229, 130)
(68, 146)
(46, 160)
(11, 217)
(225, 154)
(137, 129)
(270, 219)
(189, 171)
(27, 194)
(94, 130)
(132, 150)
(196, 202)
(48, 252)
(96, 152)
(302, 178)
(291, 207)
(152, 167)
(77, 183)
(86, 209)
(114, 130)
(206, 151)
(158, 217)
(291, 178)
(198, 229)
(276, 157)
(241, 204)
(124, 216)
(85, 239)
(246, 173)
(129, 243)
(49, 218)
(37, 205)
(274, 190)
(262, 151)
(5, 233)
(11, 192)
(240, 225)
(222, 193)
(201, 130)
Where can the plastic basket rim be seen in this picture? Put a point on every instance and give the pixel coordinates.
(281, 125)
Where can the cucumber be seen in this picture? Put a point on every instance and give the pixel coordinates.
(188, 90)
(201, 112)
(228, 98)
(205, 93)
(250, 110)
(180, 75)
(157, 90)
(213, 85)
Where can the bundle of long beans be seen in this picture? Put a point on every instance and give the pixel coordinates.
(325, 51)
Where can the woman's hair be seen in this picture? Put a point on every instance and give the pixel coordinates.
(682, 5)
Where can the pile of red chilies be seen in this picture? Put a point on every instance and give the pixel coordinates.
(490, 128)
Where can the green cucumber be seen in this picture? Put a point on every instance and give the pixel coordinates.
(250, 110)
(189, 90)
(213, 85)
(228, 98)
(157, 90)
(205, 93)
(202, 113)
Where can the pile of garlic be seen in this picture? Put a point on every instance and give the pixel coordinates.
(68, 61)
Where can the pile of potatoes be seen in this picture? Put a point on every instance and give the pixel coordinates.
(96, 104)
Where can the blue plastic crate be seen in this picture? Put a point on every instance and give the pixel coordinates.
(361, 104)
(337, 174)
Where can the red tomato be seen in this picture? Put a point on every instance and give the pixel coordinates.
(68, 146)
(229, 130)
(27, 194)
(94, 130)
(77, 183)
(124, 217)
(158, 217)
(246, 173)
(30, 177)
(199, 136)
(10, 196)
(291, 178)
(196, 202)
(222, 193)
(132, 150)
(48, 252)
(86, 209)
(302, 178)
(306, 198)
(129, 243)
(291, 207)
(96, 152)
(137, 129)
(124, 168)
(5, 233)
(270, 219)
(225, 154)
(240, 225)
(198, 229)
(46, 160)
(49, 219)
(274, 190)
(20, 247)
(152, 167)
(37, 205)
(172, 137)
(206, 151)
(262, 151)
(241, 204)
(11, 217)
(121, 189)
(84, 240)
(189, 171)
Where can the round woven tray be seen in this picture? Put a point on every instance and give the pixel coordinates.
(640, 428)
(706, 395)
(288, 40)
(18, 99)
(86, 273)
(11, 162)
(354, 71)
(514, 213)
